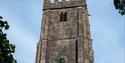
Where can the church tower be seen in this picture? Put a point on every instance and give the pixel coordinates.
(65, 33)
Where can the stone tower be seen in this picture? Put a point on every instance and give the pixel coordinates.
(65, 33)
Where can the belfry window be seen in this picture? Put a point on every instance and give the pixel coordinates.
(63, 16)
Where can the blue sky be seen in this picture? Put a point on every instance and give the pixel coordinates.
(107, 29)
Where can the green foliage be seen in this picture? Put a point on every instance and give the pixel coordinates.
(120, 5)
(6, 49)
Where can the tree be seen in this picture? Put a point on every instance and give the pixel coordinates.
(120, 5)
(6, 49)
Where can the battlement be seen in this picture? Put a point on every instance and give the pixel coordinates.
(60, 4)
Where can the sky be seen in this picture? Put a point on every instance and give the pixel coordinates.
(107, 29)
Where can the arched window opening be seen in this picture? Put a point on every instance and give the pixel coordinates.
(61, 60)
(63, 16)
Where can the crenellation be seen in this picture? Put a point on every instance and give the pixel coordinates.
(64, 4)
